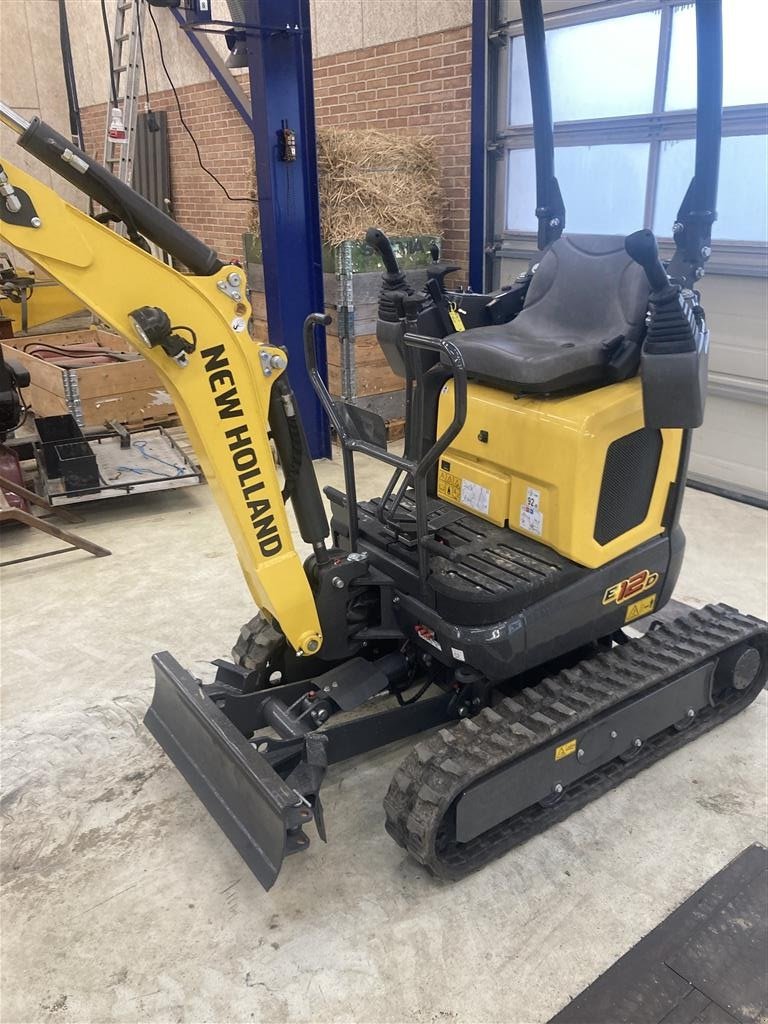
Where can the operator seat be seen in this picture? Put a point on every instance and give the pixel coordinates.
(581, 325)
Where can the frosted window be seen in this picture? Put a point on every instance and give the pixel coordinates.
(521, 190)
(742, 207)
(745, 69)
(603, 188)
(599, 69)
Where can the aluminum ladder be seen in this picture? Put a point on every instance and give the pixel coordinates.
(126, 60)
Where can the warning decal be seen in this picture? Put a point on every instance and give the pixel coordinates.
(449, 485)
(640, 608)
(467, 493)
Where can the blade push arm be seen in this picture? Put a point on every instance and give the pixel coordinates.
(221, 388)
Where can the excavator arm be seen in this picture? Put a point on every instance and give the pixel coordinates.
(193, 329)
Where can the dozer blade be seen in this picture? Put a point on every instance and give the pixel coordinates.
(261, 816)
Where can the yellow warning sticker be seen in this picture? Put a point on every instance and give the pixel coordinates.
(640, 608)
(449, 485)
(565, 750)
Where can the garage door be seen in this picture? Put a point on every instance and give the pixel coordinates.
(623, 93)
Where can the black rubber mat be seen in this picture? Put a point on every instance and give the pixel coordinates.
(707, 963)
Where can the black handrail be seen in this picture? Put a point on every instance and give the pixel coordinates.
(417, 470)
(441, 345)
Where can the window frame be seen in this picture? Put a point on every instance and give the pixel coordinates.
(733, 257)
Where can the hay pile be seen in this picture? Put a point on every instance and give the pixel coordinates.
(375, 178)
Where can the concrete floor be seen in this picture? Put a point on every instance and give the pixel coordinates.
(122, 901)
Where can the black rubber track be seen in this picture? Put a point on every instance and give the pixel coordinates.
(428, 782)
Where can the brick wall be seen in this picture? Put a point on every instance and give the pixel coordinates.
(226, 146)
(414, 85)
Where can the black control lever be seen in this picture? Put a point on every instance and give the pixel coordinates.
(672, 327)
(394, 286)
(642, 247)
(439, 271)
(379, 241)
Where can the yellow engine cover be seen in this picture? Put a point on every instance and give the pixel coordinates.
(536, 464)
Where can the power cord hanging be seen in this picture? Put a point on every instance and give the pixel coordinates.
(187, 129)
(152, 124)
(75, 124)
(112, 81)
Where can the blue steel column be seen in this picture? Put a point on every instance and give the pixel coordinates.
(280, 67)
(478, 213)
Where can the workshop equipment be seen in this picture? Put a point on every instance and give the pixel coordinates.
(16, 500)
(29, 301)
(76, 466)
(125, 66)
(533, 516)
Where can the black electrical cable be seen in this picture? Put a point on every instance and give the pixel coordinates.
(152, 124)
(187, 129)
(141, 51)
(107, 36)
(417, 696)
(75, 123)
(181, 327)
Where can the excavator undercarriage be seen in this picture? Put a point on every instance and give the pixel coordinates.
(482, 781)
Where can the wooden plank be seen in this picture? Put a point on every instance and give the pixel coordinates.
(258, 302)
(373, 372)
(371, 380)
(334, 379)
(45, 403)
(117, 379)
(365, 314)
(376, 380)
(395, 429)
(259, 331)
(42, 374)
(366, 350)
(136, 408)
(61, 339)
(132, 408)
(93, 381)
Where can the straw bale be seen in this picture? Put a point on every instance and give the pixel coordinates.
(369, 177)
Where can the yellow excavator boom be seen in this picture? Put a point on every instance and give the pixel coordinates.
(221, 390)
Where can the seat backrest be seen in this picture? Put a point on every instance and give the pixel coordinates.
(586, 286)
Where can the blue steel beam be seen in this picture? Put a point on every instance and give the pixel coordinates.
(478, 212)
(194, 32)
(280, 67)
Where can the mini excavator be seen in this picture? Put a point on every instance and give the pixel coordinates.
(482, 601)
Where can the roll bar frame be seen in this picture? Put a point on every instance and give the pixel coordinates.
(693, 228)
